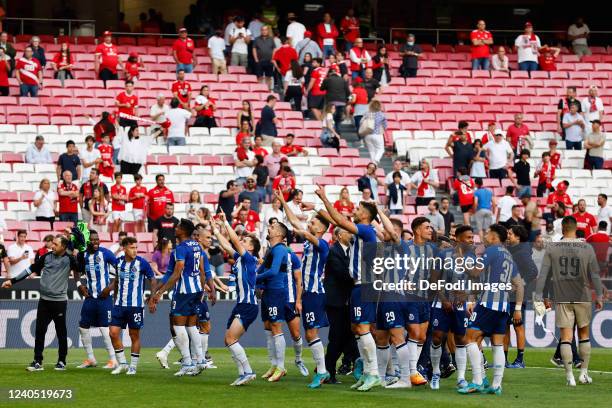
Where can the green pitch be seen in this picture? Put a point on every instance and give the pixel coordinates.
(540, 385)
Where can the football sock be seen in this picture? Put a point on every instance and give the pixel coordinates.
(318, 354)
(195, 342)
(361, 351)
(279, 350)
(461, 361)
(239, 355)
(419, 350)
(270, 347)
(584, 348)
(204, 343)
(107, 342)
(414, 357)
(382, 357)
(120, 356)
(393, 365)
(498, 365)
(403, 355)
(519, 355)
(134, 360)
(473, 353)
(86, 339)
(182, 343)
(369, 351)
(436, 354)
(169, 346)
(566, 356)
(506, 355)
(297, 348)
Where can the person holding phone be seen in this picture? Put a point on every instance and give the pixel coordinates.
(20, 254)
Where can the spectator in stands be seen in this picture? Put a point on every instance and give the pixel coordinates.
(381, 66)
(7, 46)
(295, 30)
(527, 46)
(484, 205)
(90, 157)
(396, 194)
(38, 52)
(307, 48)
(425, 181)
(518, 134)
(5, 71)
(375, 141)
(545, 172)
(316, 96)
(20, 254)
(240, 37)
(244, 132)
(161, 257)
(178, 130)
(592, 106)
(273, 160)
(243, 219)
(68, 198)
(359, 101)
(62, 63)
(284, 181)
(605, 212)
(216, 48)
(107, 59)
(268, 122)
(337, 93)
(181, 89)
(98, 210)
(586, 221)
(69, 161)
(107, 152)
(250, 192)
(184, 53)
(515, 217)
(106, 125)
(460, 150)
(293, 84)
(282, 57)
(164, 226)
(133, 150)
(560, 196)
(574, 125)
(594, 142)
(137, 196)
(119, 197)
(500, 61)
(499, 153)
(481, 41)
(205, 107)
(520, 175)
(410, 53)
(195, 202)
(367, 196)
(341, 64)
(158, 111)
(360, 59)
(44, 201)
(127, 104)
(371, 181)
(578, 34)
(464, 186)
(227, 199)
(349, 26)
(371, 85)
(245, 114)
(563, 107)
(256, 25)
(29, 74)
(505, 206)
(87, 192)
(244, 161)
(548, 58)
(274, 211)
(158, 197)
(263, 50)
(37, 152)
(46, 248)
(435, 218)
(262, 176)
(478, 162)
(344, 205)
(397, 167)
(449, 218)
(327, 33)
(291, 150)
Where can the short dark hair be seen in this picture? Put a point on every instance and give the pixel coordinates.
(157, 177)
(128, 82)
(417, 222)
(128, 241)
(180, 70)
(63, 240)
(323, 221)
(87, 138)
(174, 103)
(48, 237)
(187, 226)
(516, 206)
(270, 98)
(70, 142)
(256, 244)
(545, 154)
(462, 229)
(526, 151)
(602, 226)
(500, 231)
(229, 184)
(521, 232)
(284, 229)
(370, 208)
(138, 177)
(604, 196)
(478, 181)
(118, 174)
(569, 222)
(397, 223)
(462, 124)
(510, 190)
(397, 174)
(169, 205)
(21, 231)
(122, 234)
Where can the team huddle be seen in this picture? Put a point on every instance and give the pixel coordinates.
(390, 326)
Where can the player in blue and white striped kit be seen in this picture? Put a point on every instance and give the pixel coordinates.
(128, 310)
(311, 299)
(244, 272)
(292, 314)
(363, 311)
(96, 264)
(491, 315)
(188, 264)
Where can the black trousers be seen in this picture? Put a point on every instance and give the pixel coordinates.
(50, 220)
(294, 95)
(107, 75)
(51, 311)
(130, 168)
(205, 121)
(341, 339)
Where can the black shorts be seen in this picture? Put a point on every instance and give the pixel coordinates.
(316, 102)
(129, 123)
(466, 208)
(264, 68)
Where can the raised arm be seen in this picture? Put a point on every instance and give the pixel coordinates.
(337, 218)
(388, 226)
(291, 217)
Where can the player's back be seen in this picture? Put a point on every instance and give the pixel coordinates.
(313, 264)
(424, 259)
(190, 252)
(499, 269)
(363, 252)
(244, 271)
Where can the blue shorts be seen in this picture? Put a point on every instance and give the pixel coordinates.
(391, 315)
(203, 314)
(488, 321)
(186, 304)
(418, 312)
(361, 312)
(313, 311)
(131, 316)
(275, 308)
(245, 312)
(455, 321)
(96, 312)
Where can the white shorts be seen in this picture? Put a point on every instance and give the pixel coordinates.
(117, 215)
(138, 214)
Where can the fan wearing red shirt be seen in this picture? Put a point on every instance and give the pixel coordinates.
(289, 149)
(555, 156)
(137, 196)
(545, 172)
(316, 96)
(133, 66)
(517, 131)
(248, 218)
(158, 197)
(282, 57)
(587, 223)
(62, 63)
(5, 69)
(107, 59)
(68, 198)
(183, 51)
(463, 128)
(481, 40)
(119, 197)
(28, 72)
(328, 33)
(464, 186)
(560, 195)
(548, 58)
(490, 135)
(245, 131)
(600, 241)
(181, 89)
(350, 29)
(205, 107)
(106, 168)
(258, 149)
(127, 103)
(285, 181)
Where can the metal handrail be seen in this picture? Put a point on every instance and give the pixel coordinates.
(22, 20)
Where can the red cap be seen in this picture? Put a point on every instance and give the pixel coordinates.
(358, 80)
(528, 24)
(307, 34)
(491, 123)
(133, 54)
(552, 142)
(182, 29)
(107, 34)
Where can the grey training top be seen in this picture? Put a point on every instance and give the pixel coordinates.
(54, 275)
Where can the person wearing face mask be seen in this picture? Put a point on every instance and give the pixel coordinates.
(410, 53)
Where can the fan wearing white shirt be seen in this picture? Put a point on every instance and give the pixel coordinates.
(20, 255)
(178, 118)
(592, 107)
(499, 153)
(505, 204)
(527, 46)
(90, 157)
(578, 33)
(605, 212)
(44, 201)
(239, 38)
(216, 47)
(295, 30)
